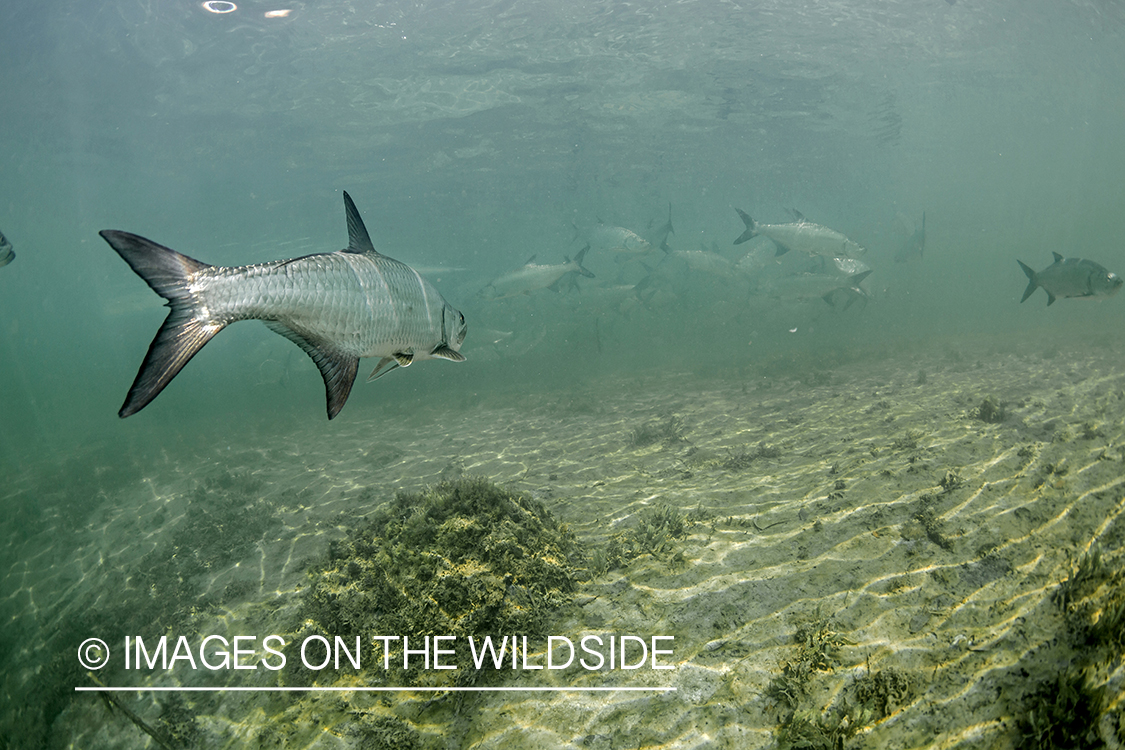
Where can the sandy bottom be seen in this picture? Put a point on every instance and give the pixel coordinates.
(868, 501)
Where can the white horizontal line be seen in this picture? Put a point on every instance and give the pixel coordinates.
(372, 689)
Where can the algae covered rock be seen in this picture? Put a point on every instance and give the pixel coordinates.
(463, 558)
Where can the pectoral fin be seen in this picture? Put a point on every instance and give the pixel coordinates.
(444, 352)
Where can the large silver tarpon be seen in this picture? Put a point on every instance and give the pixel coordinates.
(801, 235)
(337, 307)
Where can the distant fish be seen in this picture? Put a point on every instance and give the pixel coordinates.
(531, 277)
(846, 267)
(610, 298)
(833, 289)
(915, 245)
(704, 261)
(761, 256)
(801, 235)
(1071, 277)
(619, 240)
(337, 307)
(7, 255)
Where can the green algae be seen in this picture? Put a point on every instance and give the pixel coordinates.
(463, 558)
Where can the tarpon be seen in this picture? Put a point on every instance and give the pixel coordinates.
(7, 255)
(532, 277)
(801, 235)
(845, 267)
(337, 307)
(833, 289)
(619, 240)
(704, 261)
(1071, 277)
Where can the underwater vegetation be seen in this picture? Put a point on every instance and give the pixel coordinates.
(805, 730)
(656, 530)
(463, 558)
(385, 733)
(668, 431)
(991, 411)
(177, 723)
(818, 646)
(926, 522)
(880, 694)
(1087, 576)
(1063, 714)
(908, 441)
(1065, 711)
(868, 699)
(743, 457)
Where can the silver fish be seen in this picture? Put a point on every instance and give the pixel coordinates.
(605, 237)
(833, 289)
(532, 277)
(846, 267)
(704, 261)
(1071, 277)
(337, 307)
(801, 235)
(7, 255)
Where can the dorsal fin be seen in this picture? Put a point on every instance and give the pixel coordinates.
(358, 239)
(1058, 258)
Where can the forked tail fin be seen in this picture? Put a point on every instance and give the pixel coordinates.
(751, 229)
(183, 333)
(1032, 282)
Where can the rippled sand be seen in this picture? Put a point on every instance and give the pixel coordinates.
(870, 498)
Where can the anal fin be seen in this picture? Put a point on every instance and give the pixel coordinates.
(336, 367)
